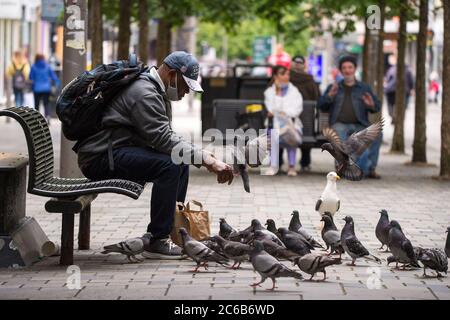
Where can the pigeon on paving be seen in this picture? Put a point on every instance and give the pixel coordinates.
(382, 229)
(312, 263)
(272, 227)
(295, 242)
(261, 235)
(278, 251)
(346, 152)
(213, 245)
(352, 246)
(401, 247)
(257, 226)
(329, 200)
(435, 259)
(268, 266)
(330, 236)
(333, 225)
(296, 226)
(235, 251)
(226, 230)
(199, 252)
(130, 248)
(447, 243)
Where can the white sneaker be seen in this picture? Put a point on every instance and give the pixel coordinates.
(270, 172)
(291, 172)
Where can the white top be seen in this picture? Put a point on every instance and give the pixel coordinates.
(291, 104)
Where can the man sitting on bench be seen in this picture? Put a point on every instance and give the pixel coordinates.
(138, 140)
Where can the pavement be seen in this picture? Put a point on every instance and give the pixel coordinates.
(408, 193)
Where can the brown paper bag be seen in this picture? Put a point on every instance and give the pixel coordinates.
(196, 222)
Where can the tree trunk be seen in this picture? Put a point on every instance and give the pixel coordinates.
(143, 30)
(163, 40)
(398, 140)
(95, 8)
(124, 29)
(380, 52)
(420, 126)
(366, 54)
(445, 125)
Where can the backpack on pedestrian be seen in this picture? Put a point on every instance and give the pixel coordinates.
(18, 78)
(81, 103)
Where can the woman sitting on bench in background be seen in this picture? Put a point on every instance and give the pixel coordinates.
(283, 102)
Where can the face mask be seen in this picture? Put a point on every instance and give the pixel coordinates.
(172, 92)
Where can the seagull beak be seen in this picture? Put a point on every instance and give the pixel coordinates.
(338, 178)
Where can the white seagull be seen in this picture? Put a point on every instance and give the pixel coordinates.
(329, 200)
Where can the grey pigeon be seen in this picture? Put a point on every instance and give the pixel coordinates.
(435, 259)
(296, 226)
(235, 251)
(312, 263)
(271, 226)
(130, 248)
(346, 152)
(265, 235)
(333, 225)
(330, 236)
(213, 245)
(199, 252)
(268, 266)
(295, 242)
(352, 246)
(382, 229)
(447, 243)
(278, 251)
(257, 226)
(401, 248)
(225, 229)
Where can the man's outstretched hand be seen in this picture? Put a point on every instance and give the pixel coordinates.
(223, 171)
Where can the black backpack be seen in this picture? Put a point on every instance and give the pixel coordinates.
(81, 103)
(18, 79)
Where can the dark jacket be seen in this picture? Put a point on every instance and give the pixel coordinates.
(334, 104)
(141, 115)
(306, 85)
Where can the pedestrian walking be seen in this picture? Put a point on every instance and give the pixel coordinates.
(18, 72)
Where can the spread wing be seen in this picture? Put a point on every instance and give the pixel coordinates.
(333, 138)
(358, 142)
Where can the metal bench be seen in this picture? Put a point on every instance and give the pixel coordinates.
(69, 195)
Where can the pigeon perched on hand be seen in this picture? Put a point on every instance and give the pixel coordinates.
(330, 236)
(382, 230)
(447, 243)
(226, 230)
(295, 242)
(130, 248)
(352, 246)
(312, 263)
(199, 252)
(235, 251)
(329, 200)
(269, 267)
(347, 152)
(435, 259)
(401, 247)
(296, 226)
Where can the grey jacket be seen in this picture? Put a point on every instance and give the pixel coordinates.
(141, 115)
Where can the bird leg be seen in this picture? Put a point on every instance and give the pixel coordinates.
(324, 275)
(238, 266)
(232, 267)
(439, 275)
(312, 276)
(258, 283)
(424, 273)
(205, 265)
(273, 286)
(353, 263)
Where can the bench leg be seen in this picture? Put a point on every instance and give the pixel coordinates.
(84, 229)
(67, 239)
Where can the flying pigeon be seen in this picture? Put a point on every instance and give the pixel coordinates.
(435, 259)
(401, 247)
(278, 251)
(447, 243)
(270, 223)
(130, 248)
(225, 229)
(295, 242)
(329, 200)
(200, 253)
(382, 229)
(296, 226)
(331, 237)
(347, 152)
(235, 251)
(312, 263)
(269, 267)
(352, 246)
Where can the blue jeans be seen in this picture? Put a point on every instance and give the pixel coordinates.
(344, 130)
(170, 181)
(18, 97)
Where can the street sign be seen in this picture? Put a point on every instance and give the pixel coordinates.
(262, 49)
(315, 66)
(51, 10)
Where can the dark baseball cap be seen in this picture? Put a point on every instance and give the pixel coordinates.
(187, 65)
(298, 59)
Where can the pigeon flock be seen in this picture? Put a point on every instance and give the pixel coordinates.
(266, 248)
